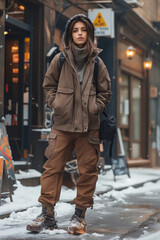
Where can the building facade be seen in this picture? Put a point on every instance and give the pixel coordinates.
(29, 29)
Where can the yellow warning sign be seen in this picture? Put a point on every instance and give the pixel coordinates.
(99, 21)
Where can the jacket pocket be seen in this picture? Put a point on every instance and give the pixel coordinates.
(51, 145)
(63, 104)
(92, 106)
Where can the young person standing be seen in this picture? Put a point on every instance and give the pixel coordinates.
(77, 103)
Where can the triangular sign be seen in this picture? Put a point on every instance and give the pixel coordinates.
(99, 21)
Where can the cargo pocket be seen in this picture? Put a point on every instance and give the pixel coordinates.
(95, 142)
(51, 145)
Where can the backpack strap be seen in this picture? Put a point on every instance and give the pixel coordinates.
(95, 73)
(62, 60)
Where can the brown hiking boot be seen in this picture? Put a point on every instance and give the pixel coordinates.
(77, 225)
(43, 221)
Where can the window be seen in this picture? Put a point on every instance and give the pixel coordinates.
(130, 114)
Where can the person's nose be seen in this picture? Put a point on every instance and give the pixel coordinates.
(79, 31)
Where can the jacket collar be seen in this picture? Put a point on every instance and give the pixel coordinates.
(68, 52)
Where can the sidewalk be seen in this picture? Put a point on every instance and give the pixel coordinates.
(25, 197)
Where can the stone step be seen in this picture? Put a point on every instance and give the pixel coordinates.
(30, 177)
(21, 165)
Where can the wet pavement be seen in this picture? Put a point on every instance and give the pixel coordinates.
(133, 216)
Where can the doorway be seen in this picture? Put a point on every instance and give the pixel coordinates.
(130, 114)
(17, 88)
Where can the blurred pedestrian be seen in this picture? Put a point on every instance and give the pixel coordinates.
(77, 103)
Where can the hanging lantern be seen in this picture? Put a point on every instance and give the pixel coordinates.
(130, 52)
(147, 63)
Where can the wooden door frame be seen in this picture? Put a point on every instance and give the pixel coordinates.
(143, 112)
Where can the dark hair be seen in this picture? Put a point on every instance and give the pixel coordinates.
(91, 42)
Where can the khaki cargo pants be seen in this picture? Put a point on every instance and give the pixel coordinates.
(59, 150)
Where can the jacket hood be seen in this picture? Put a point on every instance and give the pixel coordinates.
(77, 17)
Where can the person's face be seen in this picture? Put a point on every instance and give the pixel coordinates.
(79, 34)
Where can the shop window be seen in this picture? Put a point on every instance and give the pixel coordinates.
(136, 108)
(12, 81)
(130, 114)
(26, 82)
(124, 100)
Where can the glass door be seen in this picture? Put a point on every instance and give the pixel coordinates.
(130, 114)
(124, 111)
(136, 118)
(16, 92)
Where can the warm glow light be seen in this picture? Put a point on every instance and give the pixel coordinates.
(15, 58)
(120, 80)
(22, 7)
(25, 66)
(27, 39)
(130, 52)
(5, 32)
(15, 70)
(15, 80)
(14, 49)
(147, 63)
(26, 56)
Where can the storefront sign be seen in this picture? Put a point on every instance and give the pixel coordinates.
(103, 21)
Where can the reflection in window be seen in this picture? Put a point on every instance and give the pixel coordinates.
(124, 100)
(26, 82)
(136, 150)
(136, 109)
(11, 82)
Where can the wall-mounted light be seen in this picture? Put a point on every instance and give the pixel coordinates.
(21, 7)
(147, 63)
(130, 52)
(5, 32)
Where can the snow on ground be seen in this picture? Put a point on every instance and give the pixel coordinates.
(146, 236)
(26, 197)
(147, 189)
(29, 174)
(153, 236)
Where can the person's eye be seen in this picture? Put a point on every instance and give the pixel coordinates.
(84, 30)
(74, 30)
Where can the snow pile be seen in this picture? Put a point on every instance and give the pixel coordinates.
(23, 198)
